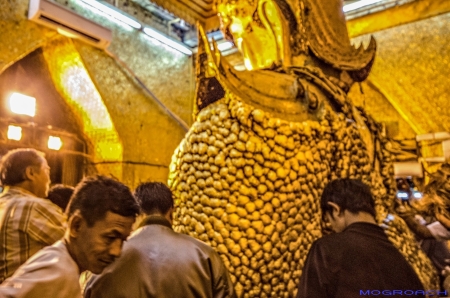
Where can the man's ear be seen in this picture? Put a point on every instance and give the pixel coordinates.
(335, 209)
(76, 222)
(169, 215)
(30, 173)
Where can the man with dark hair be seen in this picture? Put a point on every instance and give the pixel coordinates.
(28, 222)
(359, 258)
(158, 262)
(60, 194)
(101, 213)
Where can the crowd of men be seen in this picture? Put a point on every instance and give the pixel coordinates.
(47, 241)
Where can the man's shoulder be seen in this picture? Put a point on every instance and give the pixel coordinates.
(331, 239)
(49, 270)
(195, 242)
(178, 239)
(54, 259)
(18, 197)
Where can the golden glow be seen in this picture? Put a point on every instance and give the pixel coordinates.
(22, 104)
(14, 132)
(74, 83)
(263, 42)
(54, 143)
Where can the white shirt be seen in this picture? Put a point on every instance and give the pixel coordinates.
(49, 273)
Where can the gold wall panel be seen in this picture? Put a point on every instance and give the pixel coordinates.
(18, 37)
(168, 73)
(75, 85)
(396, 16)
(412, 69)
(149, 135)
(146, 135)
(379, 107)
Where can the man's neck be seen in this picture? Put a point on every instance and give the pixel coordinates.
(351, 218)
(22, 188)
(72, 253)
(155, 218)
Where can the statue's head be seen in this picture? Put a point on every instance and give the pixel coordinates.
(259, 29)
(274, 33)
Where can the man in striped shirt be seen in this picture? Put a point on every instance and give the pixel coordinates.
(28, 221)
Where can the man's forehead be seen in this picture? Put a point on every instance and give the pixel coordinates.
(113, 220)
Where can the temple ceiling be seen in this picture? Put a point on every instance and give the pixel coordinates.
(193, 11)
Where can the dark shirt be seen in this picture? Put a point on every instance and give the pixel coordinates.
(355, 261)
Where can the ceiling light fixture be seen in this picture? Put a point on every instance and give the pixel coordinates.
(14, 132)
(22, 104)
(113, 13)
(54, 143)
(165, 40)
(359, 4)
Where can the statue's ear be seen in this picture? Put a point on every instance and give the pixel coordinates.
(273, 20)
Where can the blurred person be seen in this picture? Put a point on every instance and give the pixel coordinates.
(101, 213)
(158, 262)
(435, 203)
(60, 194)
(28, 222)
(358, 258)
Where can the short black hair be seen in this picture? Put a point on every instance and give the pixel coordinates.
(154, 197)
(60, 194)
(349, 194)
(94, 196)
(14, 163)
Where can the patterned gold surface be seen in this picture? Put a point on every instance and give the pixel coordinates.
(379, 107)
(412, 70)
(149, 135)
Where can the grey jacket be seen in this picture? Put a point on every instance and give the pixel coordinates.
(158, 262)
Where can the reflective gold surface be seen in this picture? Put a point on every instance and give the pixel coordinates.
(74, 83)
(264, 42)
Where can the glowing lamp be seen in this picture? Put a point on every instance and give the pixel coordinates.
(14, 132)
(22, 104)
(54, 143)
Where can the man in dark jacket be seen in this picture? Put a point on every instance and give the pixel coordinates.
(358, 260)
(158, 262)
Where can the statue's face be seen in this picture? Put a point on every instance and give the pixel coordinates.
(249, 27)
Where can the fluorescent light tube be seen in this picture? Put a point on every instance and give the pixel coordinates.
(224, 46)
(113, 13)
(171, 43)
(359, 4)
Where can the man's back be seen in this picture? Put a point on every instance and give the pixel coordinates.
(27, 224)
(354, 263)
(158, 262)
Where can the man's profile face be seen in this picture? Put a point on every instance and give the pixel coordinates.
(101, 244)
(42, 181)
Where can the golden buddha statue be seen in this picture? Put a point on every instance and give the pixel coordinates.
(248, 175)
